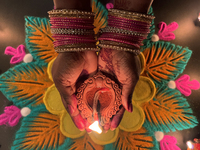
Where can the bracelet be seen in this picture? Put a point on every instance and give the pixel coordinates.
(135, 51)
(125, 31)
(72, 30)
(127, 14)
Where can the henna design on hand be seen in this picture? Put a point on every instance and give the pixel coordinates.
(106, 56)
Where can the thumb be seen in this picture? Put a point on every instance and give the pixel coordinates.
(71, 106)
(127, 92)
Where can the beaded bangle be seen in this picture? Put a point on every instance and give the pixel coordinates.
(126, 14)
(72, 30)
(122, 31)
(135, 51)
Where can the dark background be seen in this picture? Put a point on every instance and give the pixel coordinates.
(184, 12)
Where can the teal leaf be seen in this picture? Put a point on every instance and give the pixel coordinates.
(165, 61)
(25, 84)
(40, 130)
(169, 111)
(39, 39)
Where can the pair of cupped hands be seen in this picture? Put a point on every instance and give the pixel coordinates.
(70, 69)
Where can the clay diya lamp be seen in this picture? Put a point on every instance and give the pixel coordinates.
(99, 97)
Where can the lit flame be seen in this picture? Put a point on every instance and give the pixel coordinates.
(95, 127)
(199, 17)
(189, 144)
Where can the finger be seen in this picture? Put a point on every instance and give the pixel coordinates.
(106, 127)
(74, 112)
(90, 62)
(117, 119)
(87, 124)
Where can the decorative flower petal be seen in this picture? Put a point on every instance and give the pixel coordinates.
(165, 61)
(169, 143)
(40, 130)
(144, 90)
(53, 102)
(142, 139)
(18, 54)
(38, 39)
(165, 32)
(25, 84)
(184, 85)
(68, 128)
(10, 116)
(169, 111)
(50, 64)
(142, 61)
(132, 121)
(104, 138)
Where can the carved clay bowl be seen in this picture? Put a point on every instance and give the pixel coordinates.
(109, 98)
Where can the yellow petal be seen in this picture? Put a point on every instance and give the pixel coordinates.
(144, 90)
(132, 121)
(52, 101)
(50, 64)
(104, 138)
(142, 61)
(68, 128)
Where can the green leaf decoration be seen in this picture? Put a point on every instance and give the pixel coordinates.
(39, 39)
(101, 15)
(40, 130)
(142, 139)
(25, 84)
(152, 30)
(165, 61)
(169, 111)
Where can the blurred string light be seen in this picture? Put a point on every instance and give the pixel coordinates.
(190, 145)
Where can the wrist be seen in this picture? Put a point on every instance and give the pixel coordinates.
(133, 5)
(83, 5)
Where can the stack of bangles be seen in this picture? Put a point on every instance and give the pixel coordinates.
(72, 30)
(125, 31)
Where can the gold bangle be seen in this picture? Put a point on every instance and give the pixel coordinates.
(113, 43)
(128, 13)
(76, 47)
(69, 12)
(135, 51)
(122, 31)
(72, 31)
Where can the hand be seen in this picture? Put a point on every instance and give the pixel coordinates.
(68, 71)
(125, 67)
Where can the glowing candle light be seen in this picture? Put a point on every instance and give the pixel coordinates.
(95, 127)
(190, 145)
(199, 17)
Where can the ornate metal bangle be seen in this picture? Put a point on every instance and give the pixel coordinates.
(71, 31)
(135, 51)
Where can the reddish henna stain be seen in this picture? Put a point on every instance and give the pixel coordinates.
(106, 56)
